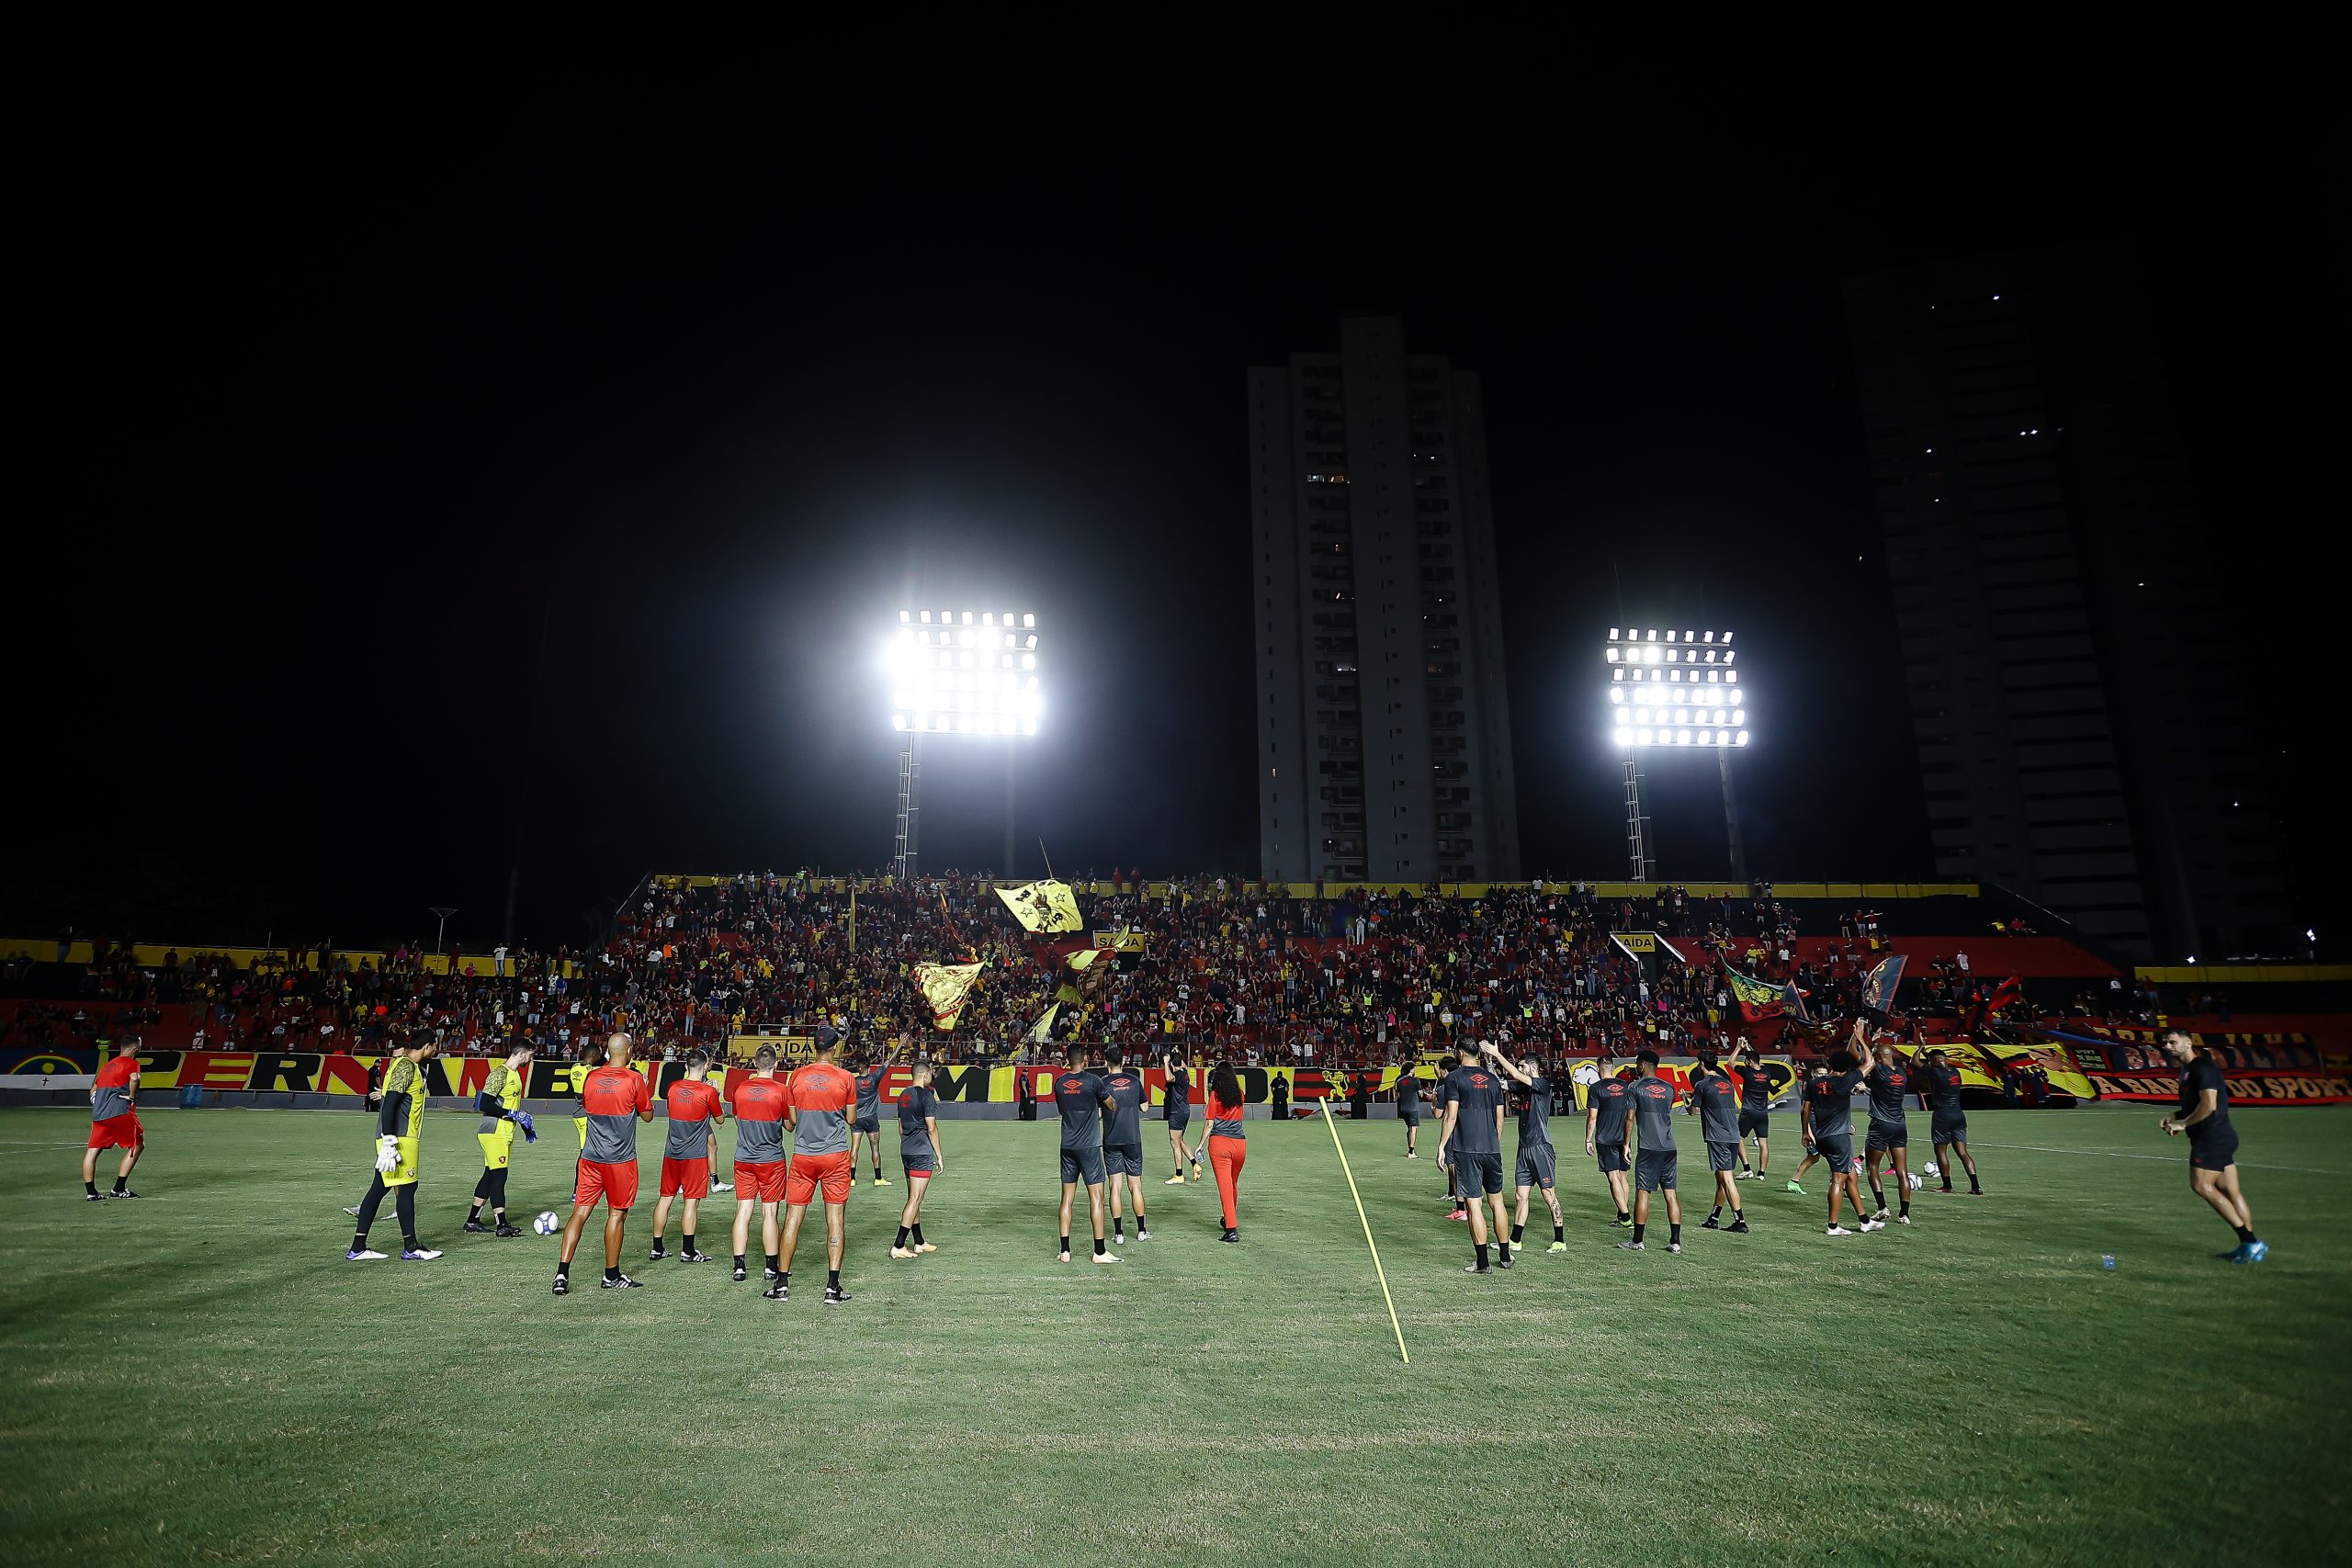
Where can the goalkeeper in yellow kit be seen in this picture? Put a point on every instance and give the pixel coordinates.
(500, 1100)
(399, 1151)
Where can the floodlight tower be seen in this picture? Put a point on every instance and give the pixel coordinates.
(958, 673)
(1677, 689)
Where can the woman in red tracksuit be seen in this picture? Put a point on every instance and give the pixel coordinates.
(1228, 1148)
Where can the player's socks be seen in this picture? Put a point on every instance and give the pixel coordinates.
(740, 1269)
(686, 1242)
(917, 1232)
(120, 1183)
(1099, 1247)
(1559, 1232)
(1975, 1188)
(1639, 1226)
(1674, 1235)
(774, 1272)
(611, 1273)
(91, 1188)
(1515, 1231)
(1065, 1246)
(2246, 1235)
(899, 1245)
(1480, 1249)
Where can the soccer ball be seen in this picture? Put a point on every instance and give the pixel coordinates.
(1934, 1169)
(1913, 1181)
(548, 1223)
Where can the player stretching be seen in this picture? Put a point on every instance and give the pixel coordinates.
(1938, 1085)
(1409, 1111)
(399, 1150)
(1716, 1101)
(615, 1099)
(868, 1124)
(760, 1106)
(1825, 1116)
(1607, 1106)
(1078, 1096)
(1179, 1096)
(114, 1122)
(1123, 1144)
(500, 1100)
(920, 1157)
(1890, 1134)
(1538, 1164)
(1755, 1112)
(2204, 1115)
(695, 1111)
(1654, 1164)
(822, 1096)
(1472, 1098)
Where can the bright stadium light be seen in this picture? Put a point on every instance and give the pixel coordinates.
(959, 672)
(1663, 666)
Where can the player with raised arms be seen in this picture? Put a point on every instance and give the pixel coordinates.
(1889, 1138)
(615, 1098)
(1079, 1098)
(1177, 1096)
(696, 1110)
(500, 1100)
(868, 1126)
(1755, 1111)
(1825, 1116)
(919, 1155)
(1538, 1163)
(822, 1097)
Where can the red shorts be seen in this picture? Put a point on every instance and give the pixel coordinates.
(685, 1178)
(615, 1184)
(833, 1170)
(121, 1132)
(761, 1181)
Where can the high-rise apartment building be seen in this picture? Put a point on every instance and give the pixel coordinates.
(2082, 733)
(1383, 731)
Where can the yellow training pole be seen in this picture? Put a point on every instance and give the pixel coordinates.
(1340, 1150)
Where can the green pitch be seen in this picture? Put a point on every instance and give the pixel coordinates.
(199, 1376)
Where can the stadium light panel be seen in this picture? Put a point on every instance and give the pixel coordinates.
(1685, 680)
(963, 673)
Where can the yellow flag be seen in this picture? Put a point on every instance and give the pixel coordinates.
(1043, 906)
(1042, 1030)
(946, 986)
(1085, 957)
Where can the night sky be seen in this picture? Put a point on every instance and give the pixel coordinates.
(449, 478)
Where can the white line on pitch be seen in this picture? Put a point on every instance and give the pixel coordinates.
(2160, 1159)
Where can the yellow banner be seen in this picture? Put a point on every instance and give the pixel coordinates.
(1980, 1065)
(1637, 941)
(1043, 906)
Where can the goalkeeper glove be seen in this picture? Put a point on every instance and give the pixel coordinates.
(522, 1120)
(388, 1154)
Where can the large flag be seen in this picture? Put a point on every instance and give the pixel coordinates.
(1988, 1007)
(1757, 999)
(946, 986)
(1042, 1030)
(1792, 1000)
(1043, 906)
(1878, 987)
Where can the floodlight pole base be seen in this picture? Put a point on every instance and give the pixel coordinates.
(1731, 820)
(902, 863)
(1636, 824)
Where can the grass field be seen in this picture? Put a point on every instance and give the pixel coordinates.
(200, 1377)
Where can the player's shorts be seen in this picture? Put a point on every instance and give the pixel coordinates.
(2213, 1153)
(685, 1178)
(1411, 1118)
(497, 1148)
(1755, 1123)
(615, 1184)
(760, 1181)
(1180, 1115)
(410, 1152)
(867, 1124)
(1612, 1157)
(121, 1132)
(1723, 1156)
(1888, 1135)
(808, 1171)
(1478, 1174)
(917, 1157)
(1123, 1159)
(1951, 1129)
(1082, 1164)
(1655, 1171)
(1539, 1165)
(1837, 1153)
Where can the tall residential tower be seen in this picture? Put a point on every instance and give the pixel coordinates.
(1383, 731)
(2083, 735)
